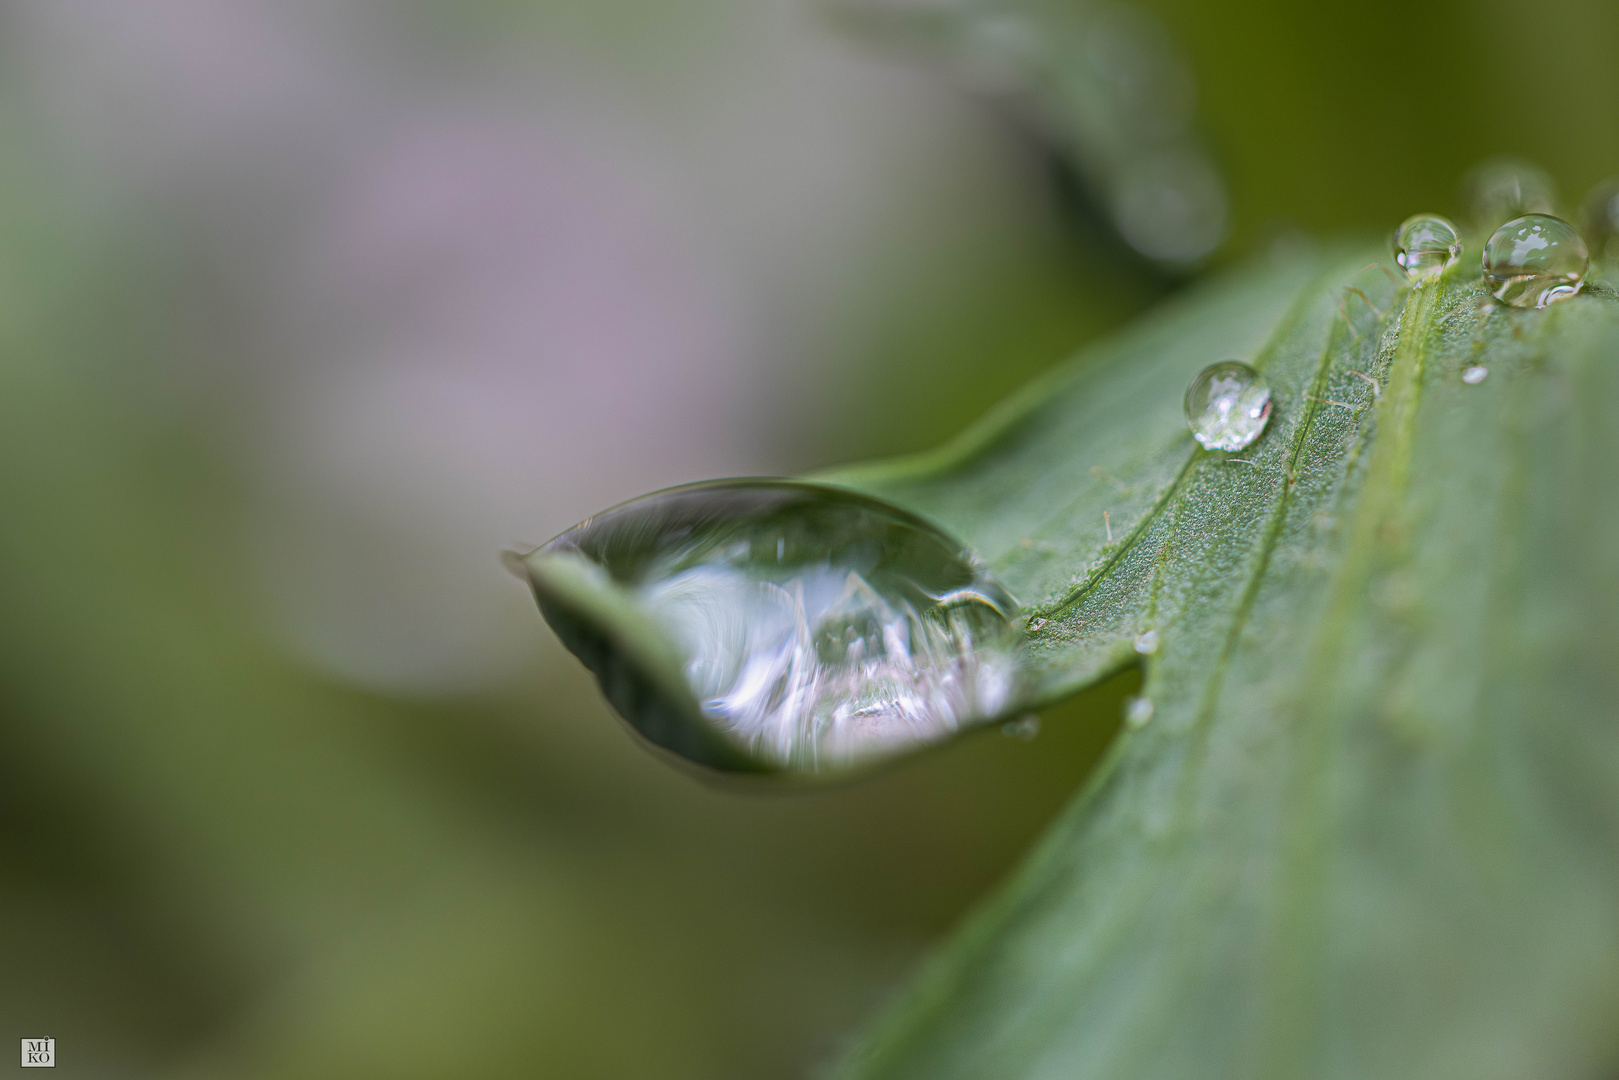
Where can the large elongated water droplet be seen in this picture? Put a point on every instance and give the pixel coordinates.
(1534, 261)
(771, 625)
(1227, 406)
(1426, 245)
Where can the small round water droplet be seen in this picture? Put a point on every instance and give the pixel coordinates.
(1025, 728)
(1147, 643)
(1503, 188)
(1138, 712)
(1426, 245)
(1475, 374)
(1535, 260)
(781, 626)
(1227, 406)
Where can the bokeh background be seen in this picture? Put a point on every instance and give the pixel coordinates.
(310, 307)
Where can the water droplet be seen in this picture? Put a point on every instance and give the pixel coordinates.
(1535, 260)
(1426, 245)
(1475, 374)
(1025, 727)
(1227, 406)
(771, 625)
(1147, 643)
(1036, 624)
(1138, 711)
(1503, 188)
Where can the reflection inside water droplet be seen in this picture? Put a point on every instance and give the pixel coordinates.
(1147, 643)
(1227, 406)
(1426, 245)
(794, 626)
(1475, 375)
(1534, 261)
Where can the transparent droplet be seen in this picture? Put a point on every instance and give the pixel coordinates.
(1025, 728)
(1535, 260)
(1503, 188)
(1138, 711)
(1227, 406)
(1426, 245)
(1036, 624)
(1147, 643)
(772, 625)
(1475, 374)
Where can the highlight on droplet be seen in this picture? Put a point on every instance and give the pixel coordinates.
(1228, 406)
(1426, 245)
(781, 626)
(1534, 261)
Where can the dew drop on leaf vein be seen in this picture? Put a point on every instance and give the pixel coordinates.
(1228, 406)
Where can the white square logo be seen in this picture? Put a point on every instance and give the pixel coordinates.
(39, 1053)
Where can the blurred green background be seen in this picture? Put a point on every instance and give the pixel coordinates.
(309, 308)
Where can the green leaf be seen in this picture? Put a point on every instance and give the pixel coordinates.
(1105, 89)
(1371, 827)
